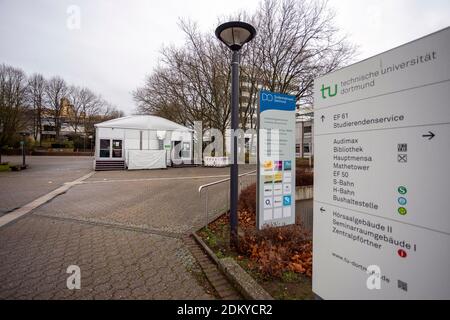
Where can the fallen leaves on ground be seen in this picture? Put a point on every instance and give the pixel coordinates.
(277, 250)
(273, 251)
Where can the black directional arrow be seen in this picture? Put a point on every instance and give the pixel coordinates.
(430, 135)
(322, 117)
(322, 209)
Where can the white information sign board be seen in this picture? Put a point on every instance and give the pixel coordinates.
(382, 176)
(276, 159)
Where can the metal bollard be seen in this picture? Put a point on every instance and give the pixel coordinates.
(206, 208)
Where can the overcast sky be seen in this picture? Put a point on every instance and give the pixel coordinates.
(118, 41)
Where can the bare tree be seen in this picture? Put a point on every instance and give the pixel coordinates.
(26, 103)
(165, 95)
(12, 103)
(84, 103)
(36, 96)
(92, 105)
(109, 111)
(55, 91)
(75, 114)
(99, 110)
(86, 109)
(296, 42)
(192, 84)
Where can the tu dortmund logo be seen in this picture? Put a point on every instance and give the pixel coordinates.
(328, 91)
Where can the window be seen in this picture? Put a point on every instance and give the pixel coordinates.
(186, 151)
(49, 128)
(104, 148)
(117, 149)
(306, 148)
(306, 129)
(297, 148)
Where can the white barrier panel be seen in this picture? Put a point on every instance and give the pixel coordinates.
(216, 161)
(146, 159)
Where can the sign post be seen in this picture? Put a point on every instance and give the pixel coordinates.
(381, 176)
(276, 159)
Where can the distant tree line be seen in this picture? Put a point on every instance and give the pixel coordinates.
(296, 41)
(25, 101)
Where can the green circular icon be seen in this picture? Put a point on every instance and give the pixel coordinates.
(402, 211)
(402, 190)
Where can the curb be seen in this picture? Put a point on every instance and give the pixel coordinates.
(215, 277)
(241, 280)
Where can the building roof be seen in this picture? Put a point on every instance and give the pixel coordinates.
(142, 122)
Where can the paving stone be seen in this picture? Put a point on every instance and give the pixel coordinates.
(118, 279)
(124, 234)
(27, 185)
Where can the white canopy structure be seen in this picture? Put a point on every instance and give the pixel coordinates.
(141, 142)
(142, 122)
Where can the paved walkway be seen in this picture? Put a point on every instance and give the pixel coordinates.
(43, 175)
(123, 229)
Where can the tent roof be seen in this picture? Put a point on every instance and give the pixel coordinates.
(142, 122)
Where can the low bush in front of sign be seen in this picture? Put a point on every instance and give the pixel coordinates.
(304, 163)
(276, 250)
(273, 250)
(304, 172)
(247, 199)
(303, 178)
(280, 258)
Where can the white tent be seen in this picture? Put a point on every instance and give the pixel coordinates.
(141, 142)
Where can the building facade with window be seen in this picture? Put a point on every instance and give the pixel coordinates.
(304, 147)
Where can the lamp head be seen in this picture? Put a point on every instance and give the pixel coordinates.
(235, 34)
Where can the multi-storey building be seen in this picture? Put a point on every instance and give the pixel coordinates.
(67, 128)
(248, 109)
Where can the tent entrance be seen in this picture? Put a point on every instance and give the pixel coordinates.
(111, 149)
(176, 150)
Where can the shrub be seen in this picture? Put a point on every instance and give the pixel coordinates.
(304, 178)
(247, 199)
(4, 166)
(304, 163)
(66, 144)
(275, 250)
(278, 249)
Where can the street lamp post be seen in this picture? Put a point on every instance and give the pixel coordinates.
(234, 35)
(22, 143)
(90, 138)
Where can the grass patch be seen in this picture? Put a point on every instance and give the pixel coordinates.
(289, 276)
(4, 167)
(210, 238)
